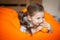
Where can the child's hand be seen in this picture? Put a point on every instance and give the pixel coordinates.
(44, 27)
(39, 28)
(45, 30)
(47, 26)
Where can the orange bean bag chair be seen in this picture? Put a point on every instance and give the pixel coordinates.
(10, 27)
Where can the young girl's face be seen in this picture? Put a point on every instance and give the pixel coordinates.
(37, 18)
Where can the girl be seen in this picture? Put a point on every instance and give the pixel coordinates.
(33, 21)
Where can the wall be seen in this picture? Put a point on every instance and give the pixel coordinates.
(18, 8)
(19, 1)
(52, 6)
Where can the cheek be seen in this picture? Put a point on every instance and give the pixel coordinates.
(34, 20)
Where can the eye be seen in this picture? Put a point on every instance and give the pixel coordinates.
(38, 18)
(43, 17)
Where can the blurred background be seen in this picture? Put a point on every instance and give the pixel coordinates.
(51, 6)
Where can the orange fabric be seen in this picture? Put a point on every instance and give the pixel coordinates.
(10, 26)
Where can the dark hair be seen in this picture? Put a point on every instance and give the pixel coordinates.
(34, 7)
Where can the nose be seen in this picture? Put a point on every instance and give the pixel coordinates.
(41, 20)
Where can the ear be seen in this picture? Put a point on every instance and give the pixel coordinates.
(29, 18)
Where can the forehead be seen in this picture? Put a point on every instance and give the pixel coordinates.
(38, 14)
